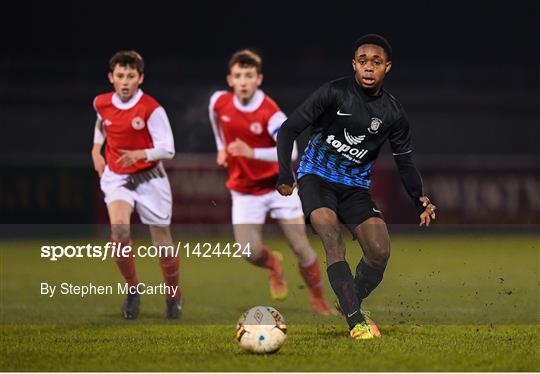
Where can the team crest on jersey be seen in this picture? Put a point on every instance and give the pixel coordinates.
(375, 124)
(137, 123)
(256, 128)
(107, 122)
(225, 118)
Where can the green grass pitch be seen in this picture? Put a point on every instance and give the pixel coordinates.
(447, 303)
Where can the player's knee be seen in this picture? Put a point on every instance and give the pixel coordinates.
(380, 253)
(323, 216)
(120, 232)
(328, 233)
(161, 235)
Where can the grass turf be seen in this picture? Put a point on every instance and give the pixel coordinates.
(449, 303)
(307, 348)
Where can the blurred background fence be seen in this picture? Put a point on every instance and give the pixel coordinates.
(466, 73)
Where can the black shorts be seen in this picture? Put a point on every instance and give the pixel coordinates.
(353, 205)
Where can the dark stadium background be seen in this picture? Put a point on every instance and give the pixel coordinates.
(467, 73)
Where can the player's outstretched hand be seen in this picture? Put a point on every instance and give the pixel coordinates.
(129, 158)
(429, 211)
(99, 163)
(239, 148)
(285, 189)
(221, 158)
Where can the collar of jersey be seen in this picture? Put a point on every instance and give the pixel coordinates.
(131, 102)
(252, 105)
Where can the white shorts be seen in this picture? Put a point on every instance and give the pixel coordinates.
(253, 208)
(152, 199)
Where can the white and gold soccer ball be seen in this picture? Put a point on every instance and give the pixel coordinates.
(261, 329)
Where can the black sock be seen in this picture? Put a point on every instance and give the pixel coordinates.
(367, 279)
(342, 282)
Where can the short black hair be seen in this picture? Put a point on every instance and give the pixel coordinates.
(373, 39)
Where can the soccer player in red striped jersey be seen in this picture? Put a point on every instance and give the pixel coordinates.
(245, 122)
(138, 136)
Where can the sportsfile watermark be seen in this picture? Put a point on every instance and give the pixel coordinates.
(445, 275)
(54, 252)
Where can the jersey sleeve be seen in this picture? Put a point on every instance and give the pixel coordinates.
(162, 136)
(315, 105)
(99, 130)
(99, 134)
(218, 136)
(94, 105)
(303, 117)
(275, 122)
(400, 136)
(400, 142)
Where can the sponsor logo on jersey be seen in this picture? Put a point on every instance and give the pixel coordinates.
(107, 122)
(353, 140)
(350, 153)
(340, 113)
(256, 128)
(225, 118)
(375, 124)
(137, 123)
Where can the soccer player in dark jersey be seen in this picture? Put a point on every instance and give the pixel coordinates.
(350, 120)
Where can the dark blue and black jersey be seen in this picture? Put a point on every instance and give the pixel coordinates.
(320, 158)
(348, 129)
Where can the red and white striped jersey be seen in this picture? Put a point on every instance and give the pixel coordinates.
(256, 123)
(127, 126)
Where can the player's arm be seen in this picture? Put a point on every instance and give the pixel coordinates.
(99, 139)
(400, 142)
(302, 118)
(240, 148)
(160, 130)
(221, 157)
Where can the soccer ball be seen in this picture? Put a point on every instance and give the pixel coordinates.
(261, 329)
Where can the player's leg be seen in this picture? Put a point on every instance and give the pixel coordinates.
(248, 216)
(373, 237)
(327, 225)
(119, 215)
(320, 203)
(288, 212)
(154, 205)
(294, 230)
(170, 264)
(308, 264)
(364, 220)
(120, 218)
(120, 202)
(251, 234)
(366, 223)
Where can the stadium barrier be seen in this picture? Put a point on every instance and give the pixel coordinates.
(483, 193)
